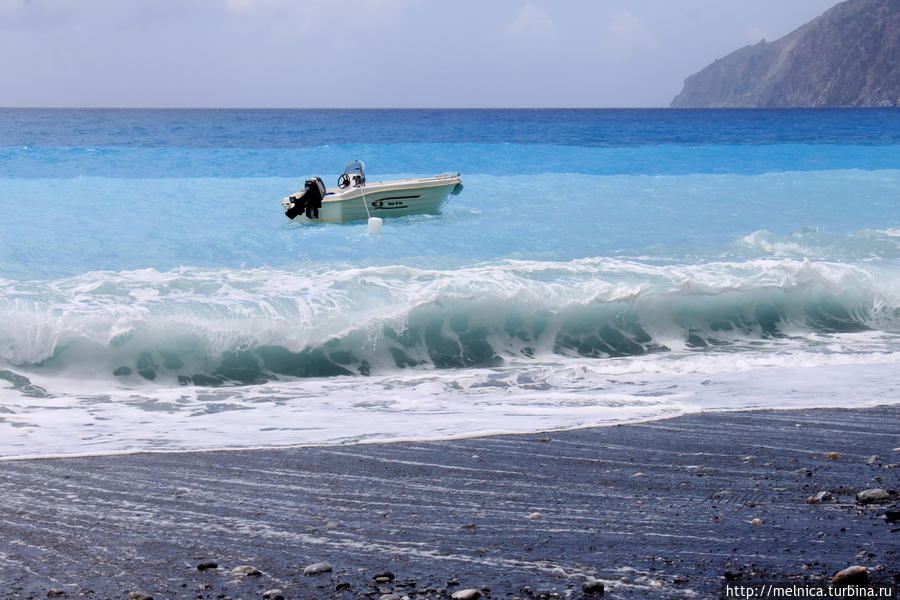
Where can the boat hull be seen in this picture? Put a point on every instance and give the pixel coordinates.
(386, 199)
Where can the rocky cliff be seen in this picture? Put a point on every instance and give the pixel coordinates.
(849, 56)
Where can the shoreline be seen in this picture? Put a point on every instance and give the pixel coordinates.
(657, 509)
(436, 439)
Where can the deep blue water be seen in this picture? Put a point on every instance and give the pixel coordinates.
(564, 127)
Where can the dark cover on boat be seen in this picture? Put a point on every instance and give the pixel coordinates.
(312, 195)
(315, 192)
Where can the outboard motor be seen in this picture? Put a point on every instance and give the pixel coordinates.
(309, 200)
(354, 175)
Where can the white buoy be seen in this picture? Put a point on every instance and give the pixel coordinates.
(375, 225)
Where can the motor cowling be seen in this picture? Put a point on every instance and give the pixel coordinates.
(312, 195)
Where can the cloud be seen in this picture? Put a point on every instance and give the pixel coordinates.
(323, 16)
(626, 36)
(532, 23)
(241, 5)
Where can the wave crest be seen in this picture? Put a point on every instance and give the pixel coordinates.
(213, 327)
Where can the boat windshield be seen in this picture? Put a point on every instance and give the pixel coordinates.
(357, 167)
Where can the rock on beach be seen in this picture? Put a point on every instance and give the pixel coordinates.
(873, 496)
(245, 571)
(855, 575)
(593, 587)
(466, 594)
(317, 568)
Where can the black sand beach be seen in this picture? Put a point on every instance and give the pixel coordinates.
(657, 510)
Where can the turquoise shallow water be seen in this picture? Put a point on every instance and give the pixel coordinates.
(69, 225)
(146, 266)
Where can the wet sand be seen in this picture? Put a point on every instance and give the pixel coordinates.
(655, 510)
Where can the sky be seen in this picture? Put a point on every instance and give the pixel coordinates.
(372, 53)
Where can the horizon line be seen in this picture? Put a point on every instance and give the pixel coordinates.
(4, 107)
(422, 108)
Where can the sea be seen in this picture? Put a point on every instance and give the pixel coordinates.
(600, 267)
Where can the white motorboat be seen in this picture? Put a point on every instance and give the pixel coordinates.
(355, 199)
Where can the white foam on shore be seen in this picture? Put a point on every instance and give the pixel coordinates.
(438, 404)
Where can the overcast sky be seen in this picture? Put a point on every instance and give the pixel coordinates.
(372, 53)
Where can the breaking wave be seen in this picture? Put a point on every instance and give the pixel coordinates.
(240, 327)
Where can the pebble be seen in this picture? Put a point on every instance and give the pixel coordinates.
(820, 497)
(855, 575)
(756, 521)
(385, 577)
(593, 587)
(535, 515)
(833, 455)
(139, 596)
(274, 594)
(245, 571)
(466, 594)
(207, 564)
(317, 568)
(389, 597)
(55, 593)
(639, 474)
(873, 496)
